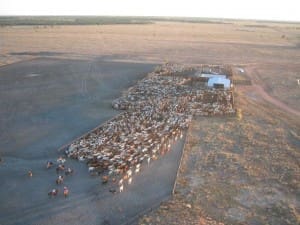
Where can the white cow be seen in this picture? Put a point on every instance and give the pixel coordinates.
(121, 189)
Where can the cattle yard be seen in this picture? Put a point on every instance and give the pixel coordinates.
(58, 82)
(154, 114)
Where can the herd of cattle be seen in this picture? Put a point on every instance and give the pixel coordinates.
(158, 109)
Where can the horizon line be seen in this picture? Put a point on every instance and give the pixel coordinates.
(151, 16)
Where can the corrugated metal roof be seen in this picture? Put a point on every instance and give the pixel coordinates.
(218, 80)
(213, 75)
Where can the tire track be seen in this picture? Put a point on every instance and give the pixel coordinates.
(258, 89)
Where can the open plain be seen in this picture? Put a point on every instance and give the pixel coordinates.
(57, 82)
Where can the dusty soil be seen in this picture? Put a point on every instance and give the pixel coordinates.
(237, 171)
(272, 49)
(234, 171)
(167, 41)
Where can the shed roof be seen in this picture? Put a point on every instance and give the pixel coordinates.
(218, 80)
(213, 75)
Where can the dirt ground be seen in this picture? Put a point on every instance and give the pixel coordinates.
(242, 170)
(271, 48)
(237, 171)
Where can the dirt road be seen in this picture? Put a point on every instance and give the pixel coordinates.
(256, 91)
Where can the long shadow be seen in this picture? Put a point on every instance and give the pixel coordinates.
(41, 113)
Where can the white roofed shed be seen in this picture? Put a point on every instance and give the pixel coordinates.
(218, 81)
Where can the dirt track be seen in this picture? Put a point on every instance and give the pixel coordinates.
(256, 91)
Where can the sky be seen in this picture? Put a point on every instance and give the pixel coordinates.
(285, 10)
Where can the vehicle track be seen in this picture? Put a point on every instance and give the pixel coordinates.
(258, 89)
